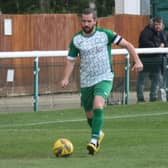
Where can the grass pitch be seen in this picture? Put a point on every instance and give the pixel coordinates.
(136, 136)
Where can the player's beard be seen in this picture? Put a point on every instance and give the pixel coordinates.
(87, 30)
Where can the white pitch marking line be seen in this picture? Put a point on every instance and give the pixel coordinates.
(80, 120)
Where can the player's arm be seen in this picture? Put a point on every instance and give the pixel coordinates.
(70, 62)
(138, 66)
(67, 73)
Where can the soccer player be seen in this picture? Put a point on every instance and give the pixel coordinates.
(93, 45)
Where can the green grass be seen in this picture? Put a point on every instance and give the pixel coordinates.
(136, 136)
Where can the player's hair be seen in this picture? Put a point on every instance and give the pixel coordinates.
(87, 11)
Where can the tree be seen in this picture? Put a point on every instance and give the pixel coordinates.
(103, 7)
(18, 6)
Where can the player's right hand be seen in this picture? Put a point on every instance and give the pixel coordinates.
(64, 83)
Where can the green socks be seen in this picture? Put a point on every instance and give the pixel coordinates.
(89, 120)
(97, 122)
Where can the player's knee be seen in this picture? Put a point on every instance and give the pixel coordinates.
(99, 105)
(98, 102)
(89, 114)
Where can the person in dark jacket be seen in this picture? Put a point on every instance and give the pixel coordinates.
(152, 36)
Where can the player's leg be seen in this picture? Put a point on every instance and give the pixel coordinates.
(87, 103)
(101, 93)
(98, 116)
(89, 116)
(87, 98)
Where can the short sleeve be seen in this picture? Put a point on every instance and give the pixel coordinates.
(73, 51)
(113, 37)
(110, 35)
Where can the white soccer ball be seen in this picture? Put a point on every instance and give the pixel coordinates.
(63, 147)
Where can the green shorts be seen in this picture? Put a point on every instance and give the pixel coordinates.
(102, 88)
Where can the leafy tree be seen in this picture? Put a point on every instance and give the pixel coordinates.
(103, 7)
(18, 6)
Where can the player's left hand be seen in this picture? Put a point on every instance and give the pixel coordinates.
(137, 67)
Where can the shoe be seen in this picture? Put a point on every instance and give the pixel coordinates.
(153, 99)
(92, 148)
(141, 100)
(101, 138)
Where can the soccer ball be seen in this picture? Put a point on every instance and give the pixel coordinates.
(63, 147)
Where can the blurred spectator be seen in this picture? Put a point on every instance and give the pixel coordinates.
(152, 36)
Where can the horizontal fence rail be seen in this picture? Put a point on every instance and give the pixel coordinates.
(61, 53)
(39, 54)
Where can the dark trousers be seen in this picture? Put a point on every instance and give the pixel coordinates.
(155, 82)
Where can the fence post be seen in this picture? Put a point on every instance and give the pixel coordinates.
(167, 78)
(36, 73)
(127, 77)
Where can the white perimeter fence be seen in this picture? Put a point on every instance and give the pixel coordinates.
(38, 54)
